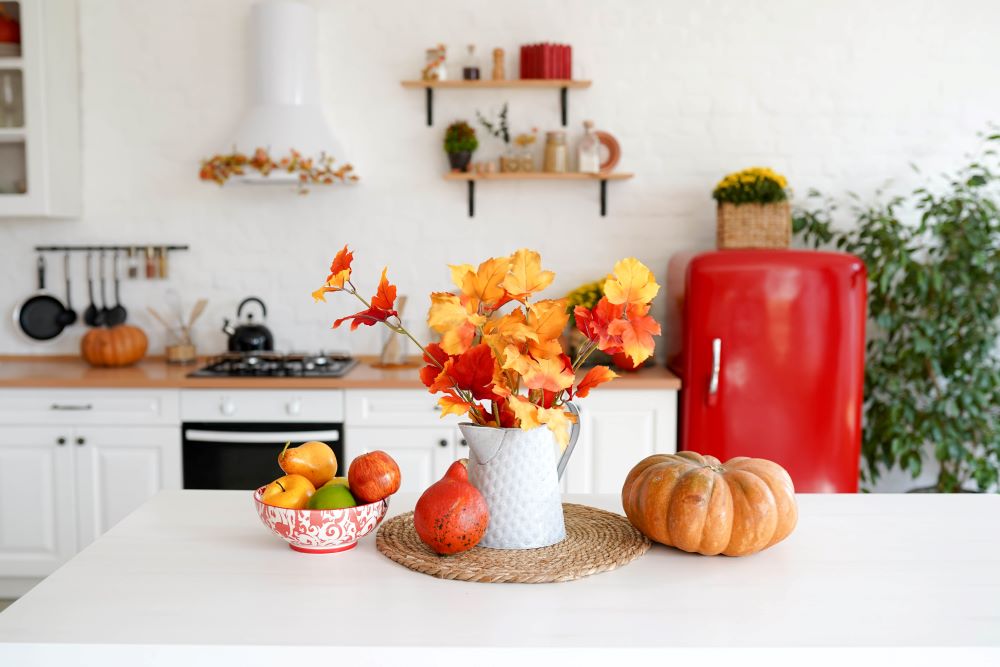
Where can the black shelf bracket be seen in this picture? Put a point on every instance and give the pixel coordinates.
(563, 105)
(471, 188)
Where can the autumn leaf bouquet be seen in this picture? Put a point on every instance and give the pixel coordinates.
(500, 360)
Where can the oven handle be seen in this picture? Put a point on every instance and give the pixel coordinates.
(261, 437)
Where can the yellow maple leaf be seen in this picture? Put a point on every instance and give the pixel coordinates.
(526, 275)
(559, 422)
(515, 361)
(458, 273)
(631, 284)
(483, 285)
(525, 411)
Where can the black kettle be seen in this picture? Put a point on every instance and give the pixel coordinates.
(248, 336)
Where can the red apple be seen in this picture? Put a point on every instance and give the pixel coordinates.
(373, 476)
(451, 515)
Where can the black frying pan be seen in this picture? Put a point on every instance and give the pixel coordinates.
(40, 316)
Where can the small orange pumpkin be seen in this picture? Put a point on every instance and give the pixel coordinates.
(118, 346)
(697, 504)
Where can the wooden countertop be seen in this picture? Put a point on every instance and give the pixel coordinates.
(154, 372)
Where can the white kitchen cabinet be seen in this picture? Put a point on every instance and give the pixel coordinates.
(618, 428)
(75, 462)
(37, 500)
(40, 166)
(118, 469)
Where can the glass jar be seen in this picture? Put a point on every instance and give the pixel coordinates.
(470, 68)
(589, 150)
(555, 152)
(509, 162)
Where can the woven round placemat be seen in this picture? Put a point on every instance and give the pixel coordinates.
(596, 541)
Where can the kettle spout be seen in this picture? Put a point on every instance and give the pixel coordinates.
(227, 328)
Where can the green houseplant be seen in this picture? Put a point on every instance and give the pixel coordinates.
(459, 143)
(932, 375)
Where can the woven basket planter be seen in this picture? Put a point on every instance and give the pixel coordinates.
(753, 225)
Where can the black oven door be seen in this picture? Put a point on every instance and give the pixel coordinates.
(245, 456)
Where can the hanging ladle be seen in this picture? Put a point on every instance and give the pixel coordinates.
(118, 314)
(92, 316)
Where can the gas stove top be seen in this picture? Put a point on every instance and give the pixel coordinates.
(274, 364)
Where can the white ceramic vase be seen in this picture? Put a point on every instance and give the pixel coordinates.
(518, 474)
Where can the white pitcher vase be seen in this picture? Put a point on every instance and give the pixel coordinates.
(518, 474)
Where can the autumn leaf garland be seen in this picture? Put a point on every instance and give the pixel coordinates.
(487, 357)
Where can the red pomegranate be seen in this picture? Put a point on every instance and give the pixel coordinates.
(451, 515)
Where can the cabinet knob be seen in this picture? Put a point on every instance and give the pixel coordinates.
(227, 407)
(442, 442)
(81, 441)
(463, 442)
(60, 441)
(293, 407)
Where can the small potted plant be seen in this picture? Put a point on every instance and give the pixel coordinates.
(459, 143)
(753, 210)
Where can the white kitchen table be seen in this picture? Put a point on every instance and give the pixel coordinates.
(193, 578)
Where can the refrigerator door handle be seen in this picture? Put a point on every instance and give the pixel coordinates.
(713, 382)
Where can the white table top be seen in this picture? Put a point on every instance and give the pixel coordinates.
(195, 571)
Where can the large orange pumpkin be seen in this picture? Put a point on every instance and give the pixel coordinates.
(118, 346)
(697, 504)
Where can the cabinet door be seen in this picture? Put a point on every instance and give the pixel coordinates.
(37, 523)
(618, 428)
(423, 454)
(120, 468)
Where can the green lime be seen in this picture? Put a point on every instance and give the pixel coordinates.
(332, 497)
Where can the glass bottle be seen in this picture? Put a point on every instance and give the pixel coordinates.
(470, 68)
(589, 150)
(555, 152)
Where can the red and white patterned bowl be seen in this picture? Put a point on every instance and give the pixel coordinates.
(321, 531)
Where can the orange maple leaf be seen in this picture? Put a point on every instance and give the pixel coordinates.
(340, 273)
(511, 328)
(526, 275)
(632, 283)
(385, 295)
(547, 319)
(456, 319)
(453, 405)
(595, 376)
(636, 335)
(549, 374)
(483, 284)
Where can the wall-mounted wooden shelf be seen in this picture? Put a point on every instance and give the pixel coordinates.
(472, 177)
(562, 85)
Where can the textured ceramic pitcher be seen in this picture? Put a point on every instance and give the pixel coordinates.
(518, 474)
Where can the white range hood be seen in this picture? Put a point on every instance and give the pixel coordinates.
(284, 113)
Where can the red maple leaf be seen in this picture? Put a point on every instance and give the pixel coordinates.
(594, 323)
(473, 371)
(380, 309)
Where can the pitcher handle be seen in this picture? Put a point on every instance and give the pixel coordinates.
(573, 437)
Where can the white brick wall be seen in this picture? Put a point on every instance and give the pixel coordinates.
(838, 95)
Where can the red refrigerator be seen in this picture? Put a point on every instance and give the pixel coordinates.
(773, 361)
